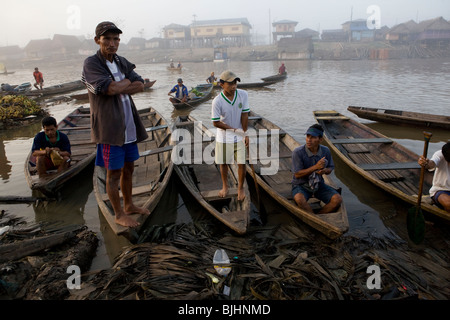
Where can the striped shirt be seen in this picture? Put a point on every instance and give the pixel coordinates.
(230, 113)
(130, 127)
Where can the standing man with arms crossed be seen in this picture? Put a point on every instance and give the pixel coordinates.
(115, 122)
(230, 116)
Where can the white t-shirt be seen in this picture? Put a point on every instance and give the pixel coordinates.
(130, 127)
(441, 178)
(230, 113)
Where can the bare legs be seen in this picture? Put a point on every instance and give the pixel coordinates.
(331, 206)
(224, 174)
(124, 178)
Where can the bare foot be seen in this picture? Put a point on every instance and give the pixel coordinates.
(137, 210)
(241, 194)
(223, 193)
(127, 221)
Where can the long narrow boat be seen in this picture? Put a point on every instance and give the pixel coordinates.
(204, 89)
(276, 77)
(77, 127)
(249, 85)
(203, 180)
(151, 172)
(375, 157)
(400, 117)
(57, 89)
(279, 185)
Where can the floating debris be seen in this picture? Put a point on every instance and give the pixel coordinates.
(282, 262)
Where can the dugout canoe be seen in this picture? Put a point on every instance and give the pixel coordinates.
(400, 117)
(275, 78)
(378, 159)
(279, 185)
(76, 125)
(151, 175)
(57, 89)
(203, 180)
(204, 89)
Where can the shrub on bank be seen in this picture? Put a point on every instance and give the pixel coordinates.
(17, 107)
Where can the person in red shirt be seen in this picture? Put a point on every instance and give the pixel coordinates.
(38, 78)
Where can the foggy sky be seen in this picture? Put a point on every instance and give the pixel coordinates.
(24, 20)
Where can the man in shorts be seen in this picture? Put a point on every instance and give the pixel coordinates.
(116, 125)
(440, 162)
(310, 162)
(230, 116)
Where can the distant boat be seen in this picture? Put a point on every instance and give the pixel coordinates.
(174, 68)
(277, 77)
(57, 89)
(402, 117)
(204, 89)
(148, 84)
(7, 72)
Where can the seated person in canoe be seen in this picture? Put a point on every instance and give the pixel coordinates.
(51, 148)
(310, 162)
(181, 92)
(440, 164)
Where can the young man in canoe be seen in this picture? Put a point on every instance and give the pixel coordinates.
(181, 92)
(310, 162)
(440, 163)
(230, 116)
(51, 148)
(116, 125)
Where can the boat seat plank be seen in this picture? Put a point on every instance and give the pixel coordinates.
(212, 195)
(156, 151)
(353, 148)
(332, 118)
(74, 128)
(136, 191)
(355, 141)
(156, 128)
(389, 166)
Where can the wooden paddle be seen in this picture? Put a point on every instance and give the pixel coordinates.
(261, 208)
(415, 221)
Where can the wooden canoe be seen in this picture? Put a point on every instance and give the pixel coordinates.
(175, 68)
(148, 84)
(279, 185)
(276, 78)
(250, 85)
(203, 181)
(57, 89)
(151, 173)
(399, 117)
(205, 89)
(76, 126)
(375, 157)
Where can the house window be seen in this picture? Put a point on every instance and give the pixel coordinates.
(209, 30)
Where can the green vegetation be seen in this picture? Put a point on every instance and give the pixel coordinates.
(17, 107)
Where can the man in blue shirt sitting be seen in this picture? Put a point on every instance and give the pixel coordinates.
(309, 163)
(47, 142)
(181, 92)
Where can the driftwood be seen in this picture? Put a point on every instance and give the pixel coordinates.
(17, 250)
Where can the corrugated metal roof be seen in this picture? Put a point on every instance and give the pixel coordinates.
(203, 23)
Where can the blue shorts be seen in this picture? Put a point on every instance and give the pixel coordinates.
(324, 193)
(436, 196)
(114, 157)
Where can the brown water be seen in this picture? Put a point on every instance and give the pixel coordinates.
(415, 85)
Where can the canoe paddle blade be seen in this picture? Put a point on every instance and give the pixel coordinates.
(416, 225)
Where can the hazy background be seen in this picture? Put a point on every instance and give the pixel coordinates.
(24, 20)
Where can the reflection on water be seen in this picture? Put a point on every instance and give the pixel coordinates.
(418, 85)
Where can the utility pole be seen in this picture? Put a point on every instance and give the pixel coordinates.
(270, 29)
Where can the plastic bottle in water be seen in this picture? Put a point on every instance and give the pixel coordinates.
(220, 259)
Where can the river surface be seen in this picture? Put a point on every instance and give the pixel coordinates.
(414, 85)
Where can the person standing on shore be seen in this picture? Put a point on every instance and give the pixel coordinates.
(230, 111)
(38, 78)
(440, 163)
(116, 125)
